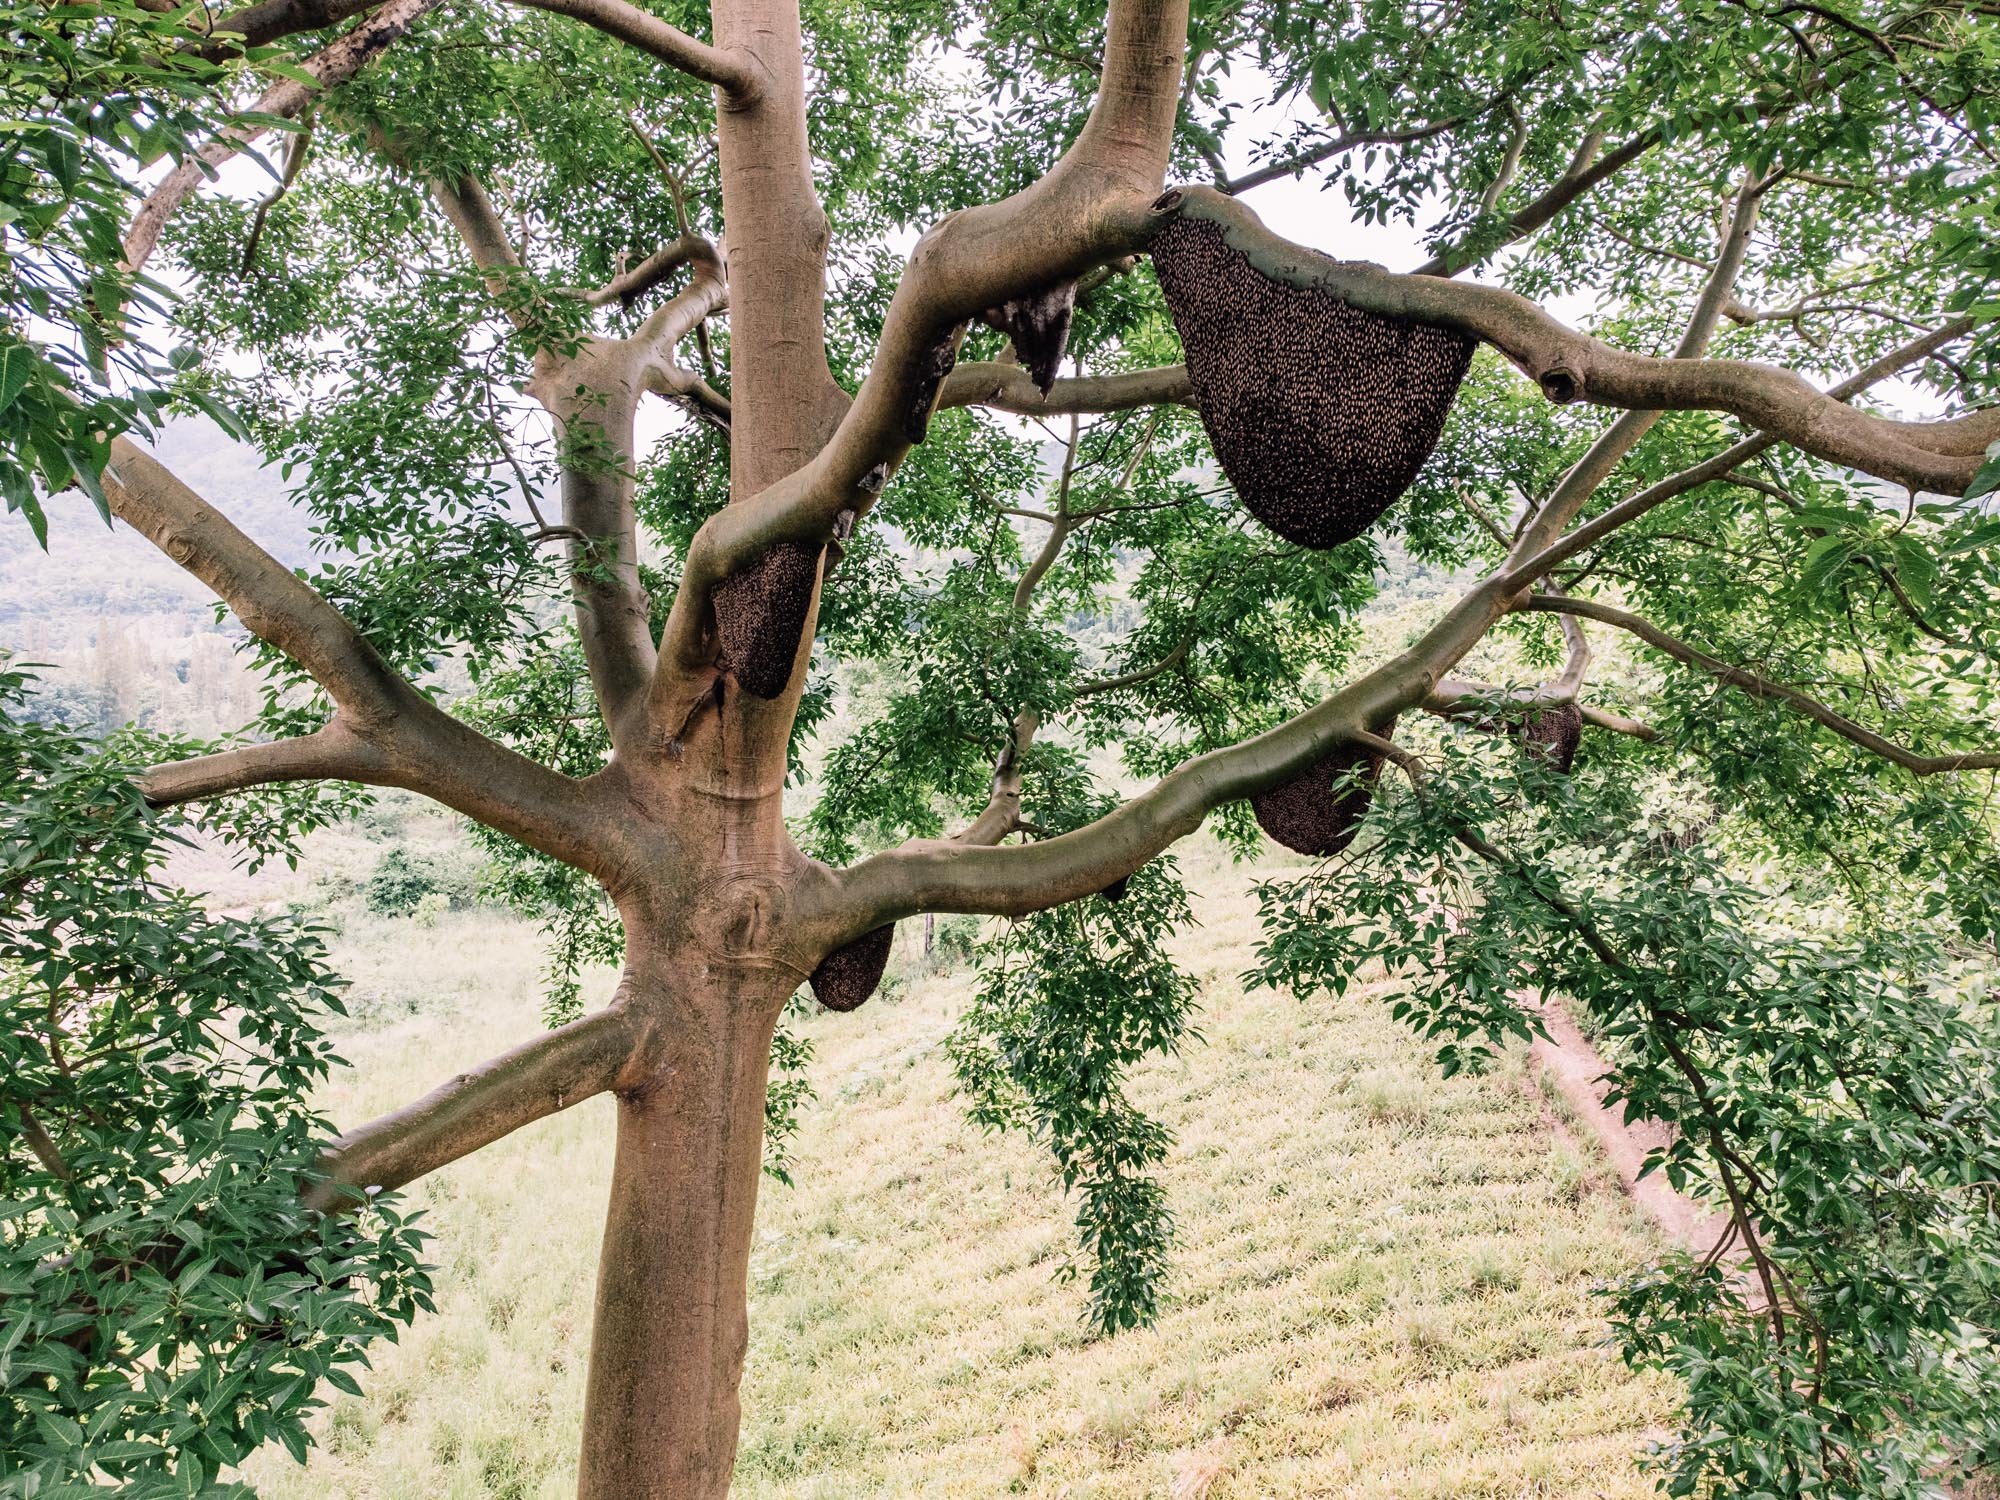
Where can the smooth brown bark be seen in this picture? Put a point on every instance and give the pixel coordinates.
(661, 1409)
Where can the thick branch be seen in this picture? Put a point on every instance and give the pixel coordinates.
(274, 604)
(1763, 687)
(538, 1078)
(937, 875)
(728, 70)
(1719, 467)
(384, 731)
(330, 67)
(1617, 723)
(269, 20)
(1008, 388)
(335, 753)
(594, 395)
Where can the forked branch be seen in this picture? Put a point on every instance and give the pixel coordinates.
(1090, 208)
(384, 732)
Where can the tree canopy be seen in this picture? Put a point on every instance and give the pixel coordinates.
(1713, 484)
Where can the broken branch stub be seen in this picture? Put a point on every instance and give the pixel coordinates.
(1320, 413)
(926, 380)
(1037, 325)
(847, 976)
(760, 613)
(1318, 812)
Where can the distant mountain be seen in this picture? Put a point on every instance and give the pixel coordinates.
(54, 600)
(123, 634)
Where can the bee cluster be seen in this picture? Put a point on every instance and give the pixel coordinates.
(1320, 413)
(1554, 734)
(760, 613)
(925, 380)
(1318, 812)
(847, 976)
(1037, 325)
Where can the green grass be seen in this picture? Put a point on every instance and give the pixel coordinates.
(1382, 1287)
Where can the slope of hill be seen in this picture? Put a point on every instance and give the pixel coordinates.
(1382, 1287)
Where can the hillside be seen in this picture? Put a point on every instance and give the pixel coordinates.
(1382, 1287)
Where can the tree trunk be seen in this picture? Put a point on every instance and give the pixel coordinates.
(671, 1326)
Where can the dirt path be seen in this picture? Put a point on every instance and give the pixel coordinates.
(1567, 1059)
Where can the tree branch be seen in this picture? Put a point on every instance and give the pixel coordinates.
(330, 67)
(1008, 388)
(274, 604)
(1140, 675)
(269, 20)
(636, 281)
(1762, 687)
(1312, 156)
(593, 395)
(1002, 813)
(1585, 171)
(384, 731)
(728, 71)
(1720, 466)
(334, 753)
(541, 1076)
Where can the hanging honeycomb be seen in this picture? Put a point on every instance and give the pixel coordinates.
(760, 613)
(1320, 413)
(847, 976)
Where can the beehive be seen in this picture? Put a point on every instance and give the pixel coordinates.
(1554, 733)
(1320, 413)
(1318, 812)
(931, 368)
(847, 976)
(1038, 327)
(760, 613)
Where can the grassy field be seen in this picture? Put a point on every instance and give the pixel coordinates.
(1382, 1287)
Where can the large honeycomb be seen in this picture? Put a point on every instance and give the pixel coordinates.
(1554, 734)
(760, 613)
(847, 976)
(1037, 326)
(1320, 413)
(1318, 812)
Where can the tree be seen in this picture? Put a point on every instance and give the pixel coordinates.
(585, 204)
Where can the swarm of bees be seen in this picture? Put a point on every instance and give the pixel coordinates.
(1320, 413)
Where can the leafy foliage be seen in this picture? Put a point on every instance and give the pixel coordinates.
(1069, 1001)
(91, 96)
(169, 1304)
